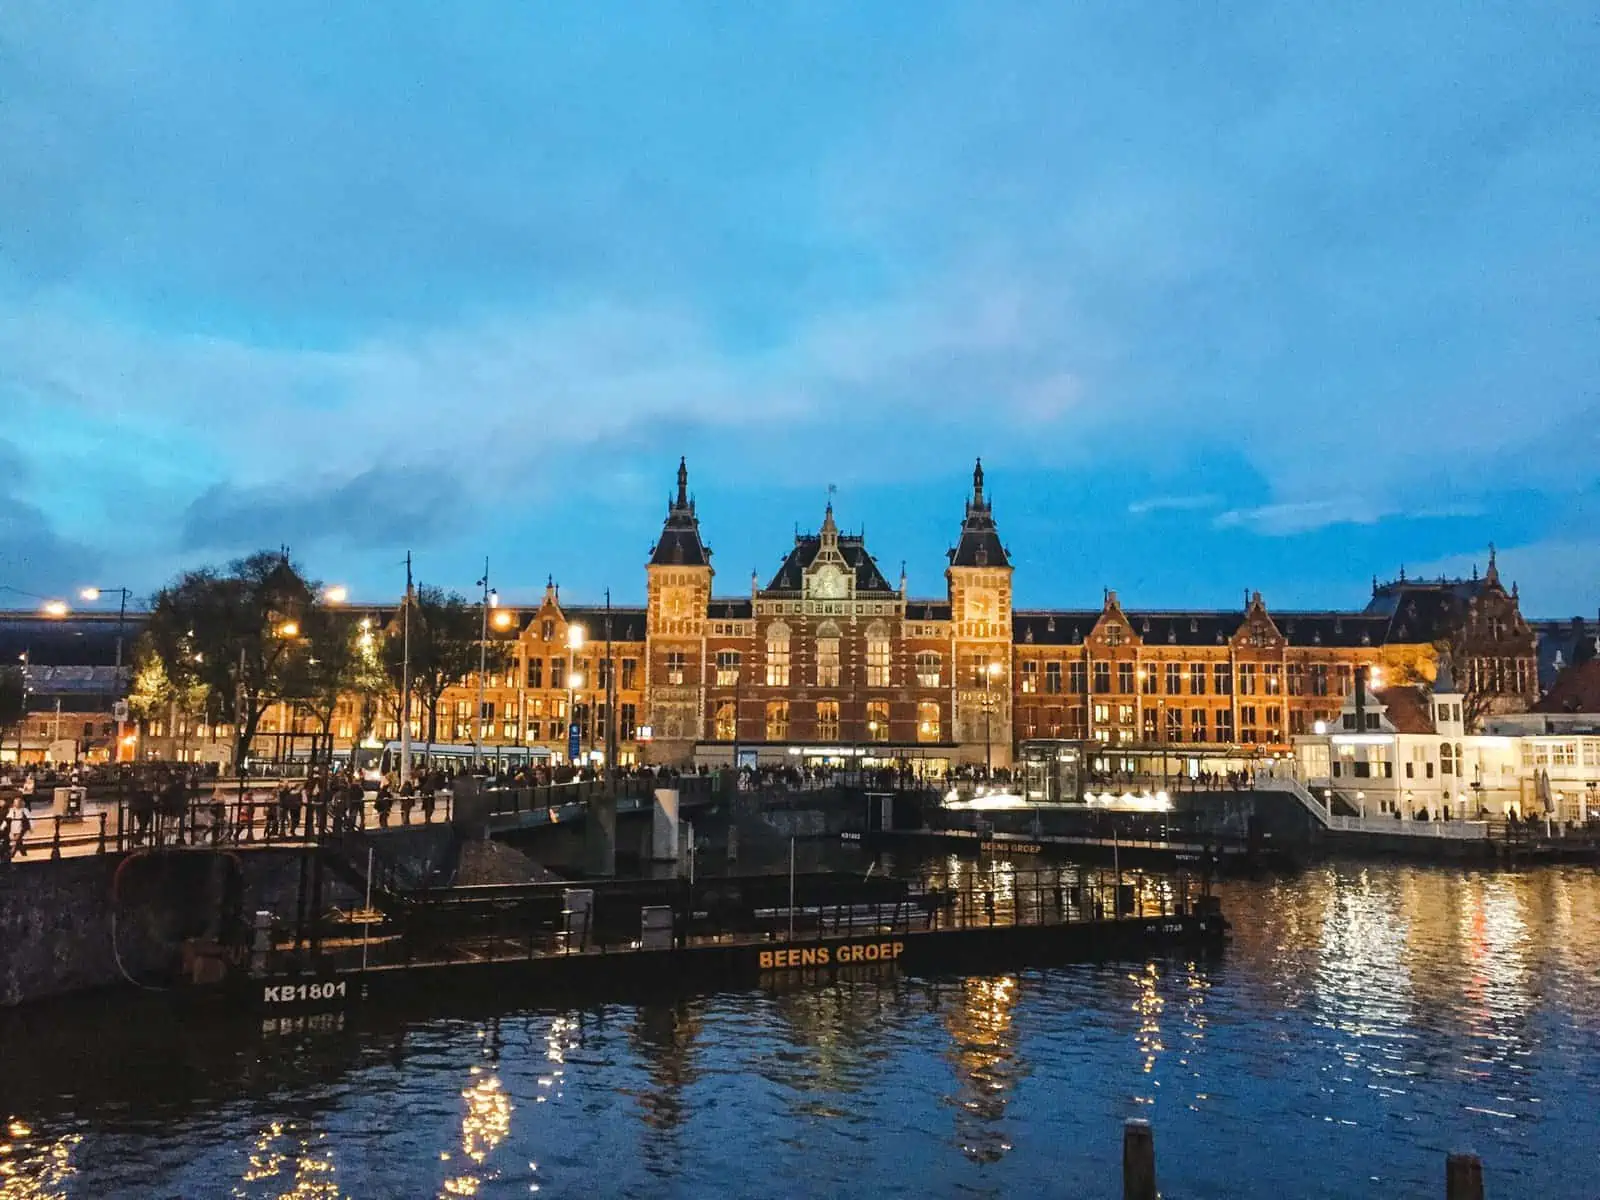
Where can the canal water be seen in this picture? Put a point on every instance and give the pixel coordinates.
(1364, 1021)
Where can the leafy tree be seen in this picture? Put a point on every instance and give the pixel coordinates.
(233, 634)
(153, 695)
(13, 701)
(446, 633)
(321, 670)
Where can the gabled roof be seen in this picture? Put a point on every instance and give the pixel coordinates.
(679, 544)
(1196, 627)
(790, 576)
(1407, 708)
(627, 624)
(980, 544)
(1576, 690)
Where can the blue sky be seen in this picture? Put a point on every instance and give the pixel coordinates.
(1258, 296)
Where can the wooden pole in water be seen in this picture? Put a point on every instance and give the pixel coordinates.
(1138, 1161)
(791, 889)
(1463, 1177)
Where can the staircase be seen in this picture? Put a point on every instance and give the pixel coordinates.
(1283, 779)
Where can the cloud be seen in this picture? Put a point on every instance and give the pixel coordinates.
(1156, 504)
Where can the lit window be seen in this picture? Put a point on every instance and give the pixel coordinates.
(675, 666)
(878, 720)
(928, 669)
(778, 664)
(827, 720)
(877, 655)
(726, 722)
(927, 721)
(727, 668)
(828, 655)
(777, 719)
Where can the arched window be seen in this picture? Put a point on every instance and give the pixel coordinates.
(877, 655)
(878, 720)
(827, 720)
(778, 655)
(1446, 759)
(828, 655)
(928, 721)
(777, 720)
(727, 728)
(928, 668)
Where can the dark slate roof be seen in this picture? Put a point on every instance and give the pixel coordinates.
(1068, 627)
(627, 624)
(980, 544)
(852, 548)
(730, 610)
(1576, 690)
(1422, 611)
(680, 544)
(1561, 644)
(928, 610)
(80, 640)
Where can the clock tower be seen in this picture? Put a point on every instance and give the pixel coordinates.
(679, 592)
(979, 581)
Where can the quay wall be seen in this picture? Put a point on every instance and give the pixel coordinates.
(80, 923)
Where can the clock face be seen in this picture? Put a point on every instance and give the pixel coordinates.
(981, 604)
(828, 583)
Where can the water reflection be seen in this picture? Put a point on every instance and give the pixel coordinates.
(33, 1167)
(986, 1064)
(290, 1161)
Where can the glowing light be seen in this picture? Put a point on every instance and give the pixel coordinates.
(289, 629)
(1319, 728)
(502, 619)
(337, 594)
(574, 681)
(90, 594)
(55, 608)
(575, 636)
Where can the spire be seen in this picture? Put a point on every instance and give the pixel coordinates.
(1493, 573)
(980, 544)
(680, 544)
(977, 485)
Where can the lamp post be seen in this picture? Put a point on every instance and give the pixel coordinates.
(92, 594)
(990, 674)
(491, 599)
(575, 640)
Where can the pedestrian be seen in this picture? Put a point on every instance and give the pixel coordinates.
(17, 824)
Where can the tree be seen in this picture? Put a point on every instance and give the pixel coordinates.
(321, 670)
(232, 633)
(13, 702)
(1452, 653)
(446, 634)
(153, 695)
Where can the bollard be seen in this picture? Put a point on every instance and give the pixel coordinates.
(102, 848)
(1138, 1161)
(1463, 1177)
(55, 841)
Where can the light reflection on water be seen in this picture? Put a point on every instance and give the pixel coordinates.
(1364, 1021)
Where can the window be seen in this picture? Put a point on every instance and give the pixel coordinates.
(1150, 727)
(828, 655)
(927, 721)
(1124, 714)
(1149, 677)
(1076, 679)
(1125, 678)
(1102, 714)
(877, 655)
(778, 667)
(1297, 679)
(1114, 635)
(600, 718)
(827, 720)
(1274, 723)
(1197, 679)
(1174, 725)
(1224, 725)
(630, 674)
(536, 672)
(1222, 678)
(1030, 676)
(675, 666)
(1297, 721)
(1197, 724)
(1102, 677)
(1591, 753)
(1174, 679)
(726, 723)
(547, 630)
(1319, 679)
(928, 668)
(727, 668)
(1247, 724)
(777, 715)
(1273, 679)
(628, 728)
(558, 673)
(1247, 679)
(1342, 678)
(1052, 679)
(1077, 727)
(878, 720)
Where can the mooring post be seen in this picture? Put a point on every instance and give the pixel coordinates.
(1463, 1177)
(1138, 1160)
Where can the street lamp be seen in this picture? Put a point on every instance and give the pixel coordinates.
(990, 674)
(54, 608)
(491, 598)
(336, 594)
(91, 594)
(289, 629)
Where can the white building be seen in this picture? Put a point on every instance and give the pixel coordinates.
(1404, 751)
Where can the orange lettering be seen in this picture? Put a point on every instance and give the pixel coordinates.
(766, 960)
(898, 946)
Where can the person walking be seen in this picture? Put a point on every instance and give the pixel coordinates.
(17, 824)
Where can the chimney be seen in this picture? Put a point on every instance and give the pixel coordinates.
(1361, 699)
